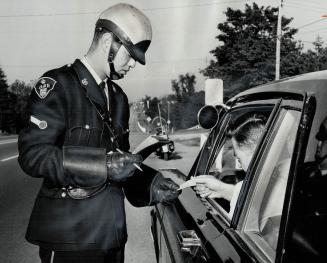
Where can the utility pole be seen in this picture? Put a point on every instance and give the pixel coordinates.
(168, 119)
(279, 36)
(159, 112)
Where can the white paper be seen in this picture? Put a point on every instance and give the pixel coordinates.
(188, 183)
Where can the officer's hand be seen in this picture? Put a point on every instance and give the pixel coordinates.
(163, 190)
(120, 165)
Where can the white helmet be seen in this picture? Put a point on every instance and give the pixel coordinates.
(130, 28)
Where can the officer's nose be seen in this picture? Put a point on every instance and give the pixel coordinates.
(131, 63)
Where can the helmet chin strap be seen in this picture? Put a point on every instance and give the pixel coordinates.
(115, 46)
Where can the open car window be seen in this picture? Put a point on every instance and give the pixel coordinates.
(224, 165)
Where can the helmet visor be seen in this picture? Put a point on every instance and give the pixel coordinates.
(137, 51)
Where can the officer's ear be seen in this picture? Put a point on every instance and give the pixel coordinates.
(106, 41)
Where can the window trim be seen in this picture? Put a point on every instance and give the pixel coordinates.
(218, 143)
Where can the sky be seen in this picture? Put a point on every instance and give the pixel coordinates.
(38, 35)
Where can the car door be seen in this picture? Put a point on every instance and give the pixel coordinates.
(189, 214)
(208, 219)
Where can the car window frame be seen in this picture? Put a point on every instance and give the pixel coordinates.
(222, 139)
(218, 212)
(218, 131)
(233, 232)
(288, 104)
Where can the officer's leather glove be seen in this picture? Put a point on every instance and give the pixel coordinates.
(163, 190)
(120, 165)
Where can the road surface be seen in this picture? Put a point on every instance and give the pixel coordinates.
(18, 191)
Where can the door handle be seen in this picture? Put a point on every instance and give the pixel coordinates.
(188, 238)
(190, 243)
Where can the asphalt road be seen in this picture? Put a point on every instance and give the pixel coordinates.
(18, 191)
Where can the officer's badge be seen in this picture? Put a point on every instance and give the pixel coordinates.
(85, 82)
(43, 86)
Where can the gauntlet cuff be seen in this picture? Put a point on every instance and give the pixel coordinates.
(85, 166)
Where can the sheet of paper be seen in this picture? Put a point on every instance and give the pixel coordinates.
(188, 183)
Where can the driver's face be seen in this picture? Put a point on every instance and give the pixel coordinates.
(243, 154)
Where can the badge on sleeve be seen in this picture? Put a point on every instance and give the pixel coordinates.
(43, 86)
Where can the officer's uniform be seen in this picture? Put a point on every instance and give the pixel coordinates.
(64, 108)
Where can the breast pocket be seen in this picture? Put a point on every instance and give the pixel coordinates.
(85, 136)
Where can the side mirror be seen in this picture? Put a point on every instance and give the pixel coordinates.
(208, 115)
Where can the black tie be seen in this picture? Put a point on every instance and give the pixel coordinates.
(103, 87)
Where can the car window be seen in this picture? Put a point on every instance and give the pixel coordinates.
(261, 219)
(225, 166)
(205, 152)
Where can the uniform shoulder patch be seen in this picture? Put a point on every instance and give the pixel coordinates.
(43, 86)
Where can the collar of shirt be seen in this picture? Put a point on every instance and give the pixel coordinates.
(96, 77)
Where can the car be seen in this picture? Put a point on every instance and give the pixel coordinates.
(280, 213)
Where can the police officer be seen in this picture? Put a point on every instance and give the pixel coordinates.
(77, 141)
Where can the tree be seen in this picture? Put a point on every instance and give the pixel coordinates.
(21, 90)
(7, 101)
(184, 85)
(315, 59)
(150, 106)
(183, 105)
(188, 102)
(245, 56)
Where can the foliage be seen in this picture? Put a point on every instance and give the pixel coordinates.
(150, 106)
(21, 90)
(183, 86)
(182, 106)
(245, 56)
(316, 59)
(7, 102)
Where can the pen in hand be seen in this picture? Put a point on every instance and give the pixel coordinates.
(138, 167)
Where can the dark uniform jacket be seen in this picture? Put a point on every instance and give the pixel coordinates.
(62, 115)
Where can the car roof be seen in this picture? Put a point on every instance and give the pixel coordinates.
(296, 84)
(314, 83)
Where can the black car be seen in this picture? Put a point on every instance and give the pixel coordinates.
(280, 214)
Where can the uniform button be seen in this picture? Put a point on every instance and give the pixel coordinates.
(87, 126)
(112, 139)
(63, 194)
(69, 65)
(110, 119)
